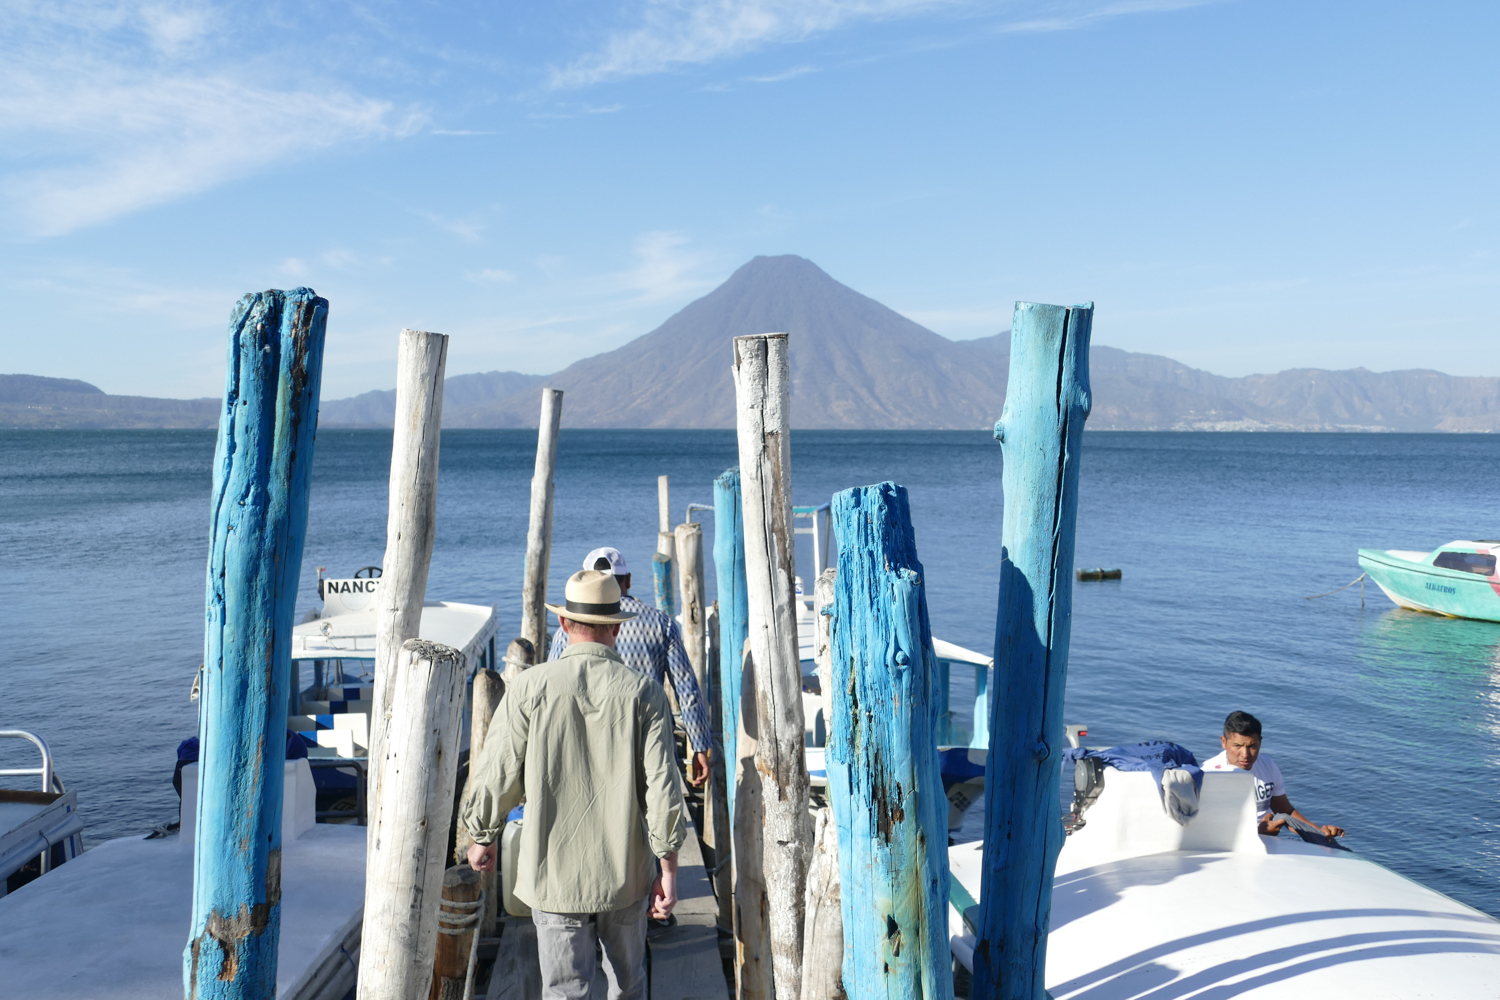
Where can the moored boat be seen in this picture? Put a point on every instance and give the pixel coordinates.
(39, 830)
(1143, 906)
(1459, 579)
(113, 922)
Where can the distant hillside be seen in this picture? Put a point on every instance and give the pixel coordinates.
(460, 393)
(32, 401)
(858, 364)
(1149, 392)
(855, 364)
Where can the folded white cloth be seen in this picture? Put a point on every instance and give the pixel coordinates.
(1179, 795)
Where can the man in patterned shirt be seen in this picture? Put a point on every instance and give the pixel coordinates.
(651, 644)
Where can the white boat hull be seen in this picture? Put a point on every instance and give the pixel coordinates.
(1226, 912)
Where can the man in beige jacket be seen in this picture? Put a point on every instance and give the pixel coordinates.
(588, 742)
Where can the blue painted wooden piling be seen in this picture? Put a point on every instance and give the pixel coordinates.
(262, 470)
(883, 776)
(666, 585)
(734, 610)
(1046, 403)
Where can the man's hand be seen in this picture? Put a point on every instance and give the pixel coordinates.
(1272, 825)
(664, 889)
(698, 772)
(1332, 831)
(482, 856)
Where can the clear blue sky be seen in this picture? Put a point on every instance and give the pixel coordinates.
(1244, 186)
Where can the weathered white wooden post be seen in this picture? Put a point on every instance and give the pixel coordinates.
(823, 945)
(539, 528)
(823, 936)
(719, 836)
(823, 593)
(1046, 403)
(262, 470)
(689, 540)
(762, 382)
(753, 973)
(883, 777)
(411, 523)
(409, 823)
(489, 688)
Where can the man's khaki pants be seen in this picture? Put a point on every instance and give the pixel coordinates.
(565, 944)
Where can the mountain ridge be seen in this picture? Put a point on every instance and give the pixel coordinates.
(856, 364)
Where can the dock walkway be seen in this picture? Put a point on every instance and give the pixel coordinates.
(685, 962)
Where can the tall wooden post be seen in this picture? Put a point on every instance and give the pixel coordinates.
(689, 539)
(411, 524)
(883, 777)
(457, 925)
(823, 593)
(489, 688)
(663, 564)
(662, 573)
(262, 469)
(539, 528)
(1046, 403)
(663, 505)
(823, 937)
(762, 382)
(753, 973)
(719, 836)
(823, 945)
(519, 655)
(409, 823)
(734, 614)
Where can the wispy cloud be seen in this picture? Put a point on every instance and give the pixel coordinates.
(675, 33)
(665, 268)
(577, 111)
(1073, 16)
(490, 276)
(789, 74)
(120, 106)
(470, 230)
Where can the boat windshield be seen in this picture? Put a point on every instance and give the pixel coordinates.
(1466, 562)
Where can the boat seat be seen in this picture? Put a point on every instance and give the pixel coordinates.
(1128, 820)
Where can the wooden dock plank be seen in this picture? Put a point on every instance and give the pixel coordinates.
(685, 962)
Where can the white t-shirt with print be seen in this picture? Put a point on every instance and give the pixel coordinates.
(1268, 782)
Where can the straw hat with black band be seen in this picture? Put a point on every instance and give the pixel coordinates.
(592, 596)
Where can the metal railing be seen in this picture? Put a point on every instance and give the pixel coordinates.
(361, 766)
(818, 530)
(50, 782)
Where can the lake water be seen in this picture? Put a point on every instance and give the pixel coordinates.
(1384, 721)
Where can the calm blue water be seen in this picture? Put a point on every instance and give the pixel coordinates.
(1384, 721)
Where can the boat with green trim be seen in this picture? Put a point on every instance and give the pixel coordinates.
(1458, 579)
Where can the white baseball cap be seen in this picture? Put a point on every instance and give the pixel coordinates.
(611, 559)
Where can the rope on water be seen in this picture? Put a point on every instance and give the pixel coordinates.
(1346, 586)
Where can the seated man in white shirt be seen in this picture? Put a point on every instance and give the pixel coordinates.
(1241, 742)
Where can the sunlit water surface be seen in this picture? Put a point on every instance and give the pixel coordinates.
(1384, 721)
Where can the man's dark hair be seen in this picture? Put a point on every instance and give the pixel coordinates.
(1242, 724)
